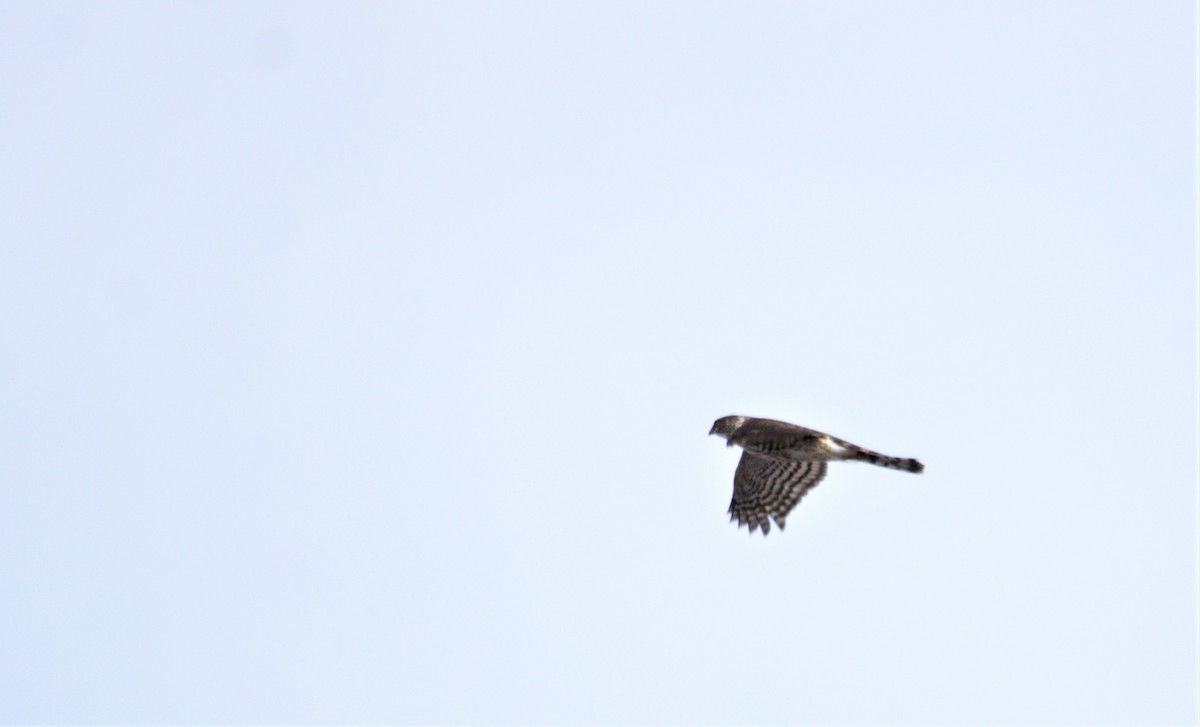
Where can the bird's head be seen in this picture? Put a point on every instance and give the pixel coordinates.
(725, 426)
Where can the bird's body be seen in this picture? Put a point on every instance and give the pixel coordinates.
(780, 462)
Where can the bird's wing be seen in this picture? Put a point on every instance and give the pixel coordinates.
(765, 486)
(768, 436)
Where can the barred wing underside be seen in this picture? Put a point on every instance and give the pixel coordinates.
(765, 486)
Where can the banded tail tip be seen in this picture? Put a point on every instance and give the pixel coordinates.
(882, 460)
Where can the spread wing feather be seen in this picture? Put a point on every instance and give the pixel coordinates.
(766, 488)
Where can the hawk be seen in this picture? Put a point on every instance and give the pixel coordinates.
(780, 462)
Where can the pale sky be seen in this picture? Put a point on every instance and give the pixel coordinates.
(357, 361)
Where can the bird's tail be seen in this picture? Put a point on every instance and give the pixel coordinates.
(882, 460)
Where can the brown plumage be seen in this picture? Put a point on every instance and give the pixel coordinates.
(781, 462)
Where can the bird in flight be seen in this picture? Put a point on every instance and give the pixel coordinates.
(780, 462)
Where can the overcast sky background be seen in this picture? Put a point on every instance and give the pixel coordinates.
(357, 361)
